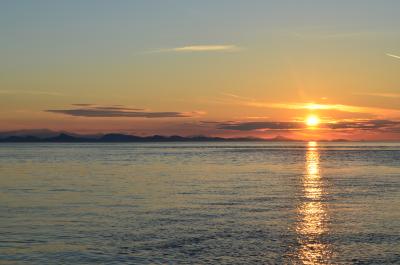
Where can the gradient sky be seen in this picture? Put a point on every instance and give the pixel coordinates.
(226, 68)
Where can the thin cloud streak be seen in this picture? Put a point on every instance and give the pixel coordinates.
(238, 100)
(112, 107)
(117, 108)
(393, 55)
(30, 92)
(82, 104)
(202, 48)
(384, 95)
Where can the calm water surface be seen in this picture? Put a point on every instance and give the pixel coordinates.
(202, 203)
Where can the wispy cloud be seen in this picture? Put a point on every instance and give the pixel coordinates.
(393, 55)
(202, 48)
(99, 107)
(31, 92)
(117, 108)
(384, 95)
(239, 100)
(82, 104)
(315, 106)
(113, 111)
(323, 34)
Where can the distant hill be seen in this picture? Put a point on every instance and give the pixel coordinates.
(39, 133)
(43, 133)
(115, 137)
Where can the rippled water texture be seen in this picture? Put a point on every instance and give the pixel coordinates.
(202, 203)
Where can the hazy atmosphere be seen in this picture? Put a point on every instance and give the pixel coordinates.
(215, 68)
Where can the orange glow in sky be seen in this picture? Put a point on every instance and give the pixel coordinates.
(148, 75)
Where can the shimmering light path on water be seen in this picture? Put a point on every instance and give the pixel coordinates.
(312, 213)
(221, 203)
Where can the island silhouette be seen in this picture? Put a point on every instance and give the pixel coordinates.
(118, 137)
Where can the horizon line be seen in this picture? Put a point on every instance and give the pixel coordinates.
(70, 136)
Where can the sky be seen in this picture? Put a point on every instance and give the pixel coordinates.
(227, 68)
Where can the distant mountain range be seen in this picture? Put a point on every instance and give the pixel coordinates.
(63, 137)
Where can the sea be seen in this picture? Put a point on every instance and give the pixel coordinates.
(200, 203)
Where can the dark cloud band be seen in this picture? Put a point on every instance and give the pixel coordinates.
(252, 126)
(388, 125)
(364, 124)
(111, 112)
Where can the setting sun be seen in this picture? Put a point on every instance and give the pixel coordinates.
(312, 121)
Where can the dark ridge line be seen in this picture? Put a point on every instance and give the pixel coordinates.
(115, 138)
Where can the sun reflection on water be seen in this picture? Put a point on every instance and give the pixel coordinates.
(312, 220)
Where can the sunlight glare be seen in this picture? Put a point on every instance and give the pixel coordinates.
(312, 121)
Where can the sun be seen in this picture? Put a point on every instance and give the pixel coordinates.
(312, 121)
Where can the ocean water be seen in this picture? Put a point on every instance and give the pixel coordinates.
(200, 203)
